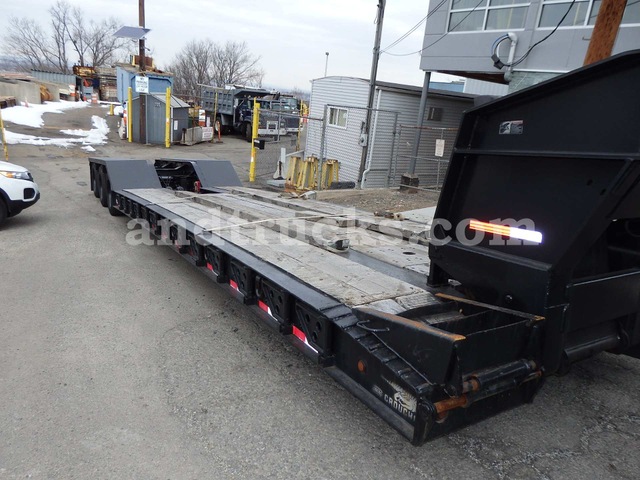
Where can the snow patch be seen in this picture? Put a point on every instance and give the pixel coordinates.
(96, 136)
(31, 116)
(88, 148)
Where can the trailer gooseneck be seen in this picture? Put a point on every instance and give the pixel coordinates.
(532, 263)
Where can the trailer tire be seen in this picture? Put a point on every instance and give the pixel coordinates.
(105, 189)
(114, 212)
(95, 183)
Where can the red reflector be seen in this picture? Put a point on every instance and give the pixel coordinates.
(264, 306)
(300, 334)
(234, 285)
(210, 267)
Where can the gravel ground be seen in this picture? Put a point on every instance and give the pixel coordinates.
(120, 361)
(381, 199)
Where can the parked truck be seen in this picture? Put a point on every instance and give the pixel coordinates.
(232, 108)
(436, 326)
(287, 106)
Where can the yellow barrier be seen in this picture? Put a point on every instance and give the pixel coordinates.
(129, 116)
(330, 173)
(254, 136)
(167, 126)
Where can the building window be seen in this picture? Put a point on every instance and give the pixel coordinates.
(338, 117)
(582, 13)
(474, 15)
(434, 114)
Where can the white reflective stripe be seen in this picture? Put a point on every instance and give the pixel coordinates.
(528, 235)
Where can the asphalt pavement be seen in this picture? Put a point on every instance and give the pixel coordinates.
(121, 361)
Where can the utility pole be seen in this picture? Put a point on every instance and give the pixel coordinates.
(326, 63)
(372, 88)
(605, 30)
(141, 41)
(142, 61)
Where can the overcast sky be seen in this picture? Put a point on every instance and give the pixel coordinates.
(291, 36)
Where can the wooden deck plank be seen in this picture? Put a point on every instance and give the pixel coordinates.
(349, 282)
(409, 228)
(381, 246)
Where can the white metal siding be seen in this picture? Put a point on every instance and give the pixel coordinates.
(408, 105)
(478, 87)
(341, 144)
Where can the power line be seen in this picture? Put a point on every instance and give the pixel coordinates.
(414, 28)
(443, 35)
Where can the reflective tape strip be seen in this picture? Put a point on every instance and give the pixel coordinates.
(506, 231)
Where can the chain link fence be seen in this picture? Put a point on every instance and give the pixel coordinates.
(432, 161)
(338, 136)
(281, 134)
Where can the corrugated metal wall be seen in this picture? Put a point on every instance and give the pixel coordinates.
(382, 142)
(429, 167)
(389, 156)
(341, 144)
(155, 115)
(125, 78)
(54, 77)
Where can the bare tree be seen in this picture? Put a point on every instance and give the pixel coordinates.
(233, 63)
(203, 62)
(77, 34)
(59, 35)
(33, 47)
(27, 43)
(103, 47)
(191, 67)
(94, 42)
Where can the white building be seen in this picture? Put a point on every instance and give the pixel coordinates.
(344, 101)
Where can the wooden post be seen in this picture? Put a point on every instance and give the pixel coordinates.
(605, 30)
(143, 98)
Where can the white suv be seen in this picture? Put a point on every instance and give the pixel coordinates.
(17, 190)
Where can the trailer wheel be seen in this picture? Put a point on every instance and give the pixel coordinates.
(105, 189)
(95, 183)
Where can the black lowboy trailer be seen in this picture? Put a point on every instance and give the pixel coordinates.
(437, 326)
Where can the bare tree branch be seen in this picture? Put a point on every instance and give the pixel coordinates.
(203, 62)
(233, 63)
(27, 43)
(191, 67)
(60, 33)
(33, 47)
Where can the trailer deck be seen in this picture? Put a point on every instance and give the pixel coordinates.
(300, 237)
